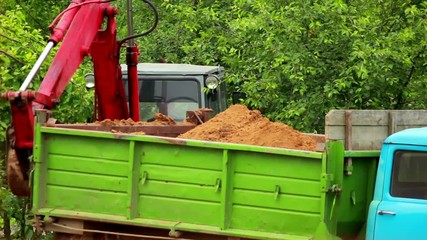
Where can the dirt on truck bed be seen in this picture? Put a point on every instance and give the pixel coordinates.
(238, 124)
(159, 119)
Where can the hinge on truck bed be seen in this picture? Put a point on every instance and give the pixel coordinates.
(327, 185)
(325, 181)
(334, 188)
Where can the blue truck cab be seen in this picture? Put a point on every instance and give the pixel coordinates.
(399, 206)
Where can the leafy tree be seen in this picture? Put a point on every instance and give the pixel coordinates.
(39, 13)
(20, 46)
(296, 60)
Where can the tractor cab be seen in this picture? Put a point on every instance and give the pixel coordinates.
(174, 89)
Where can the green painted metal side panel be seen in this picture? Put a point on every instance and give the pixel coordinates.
(186, 183)
(356, 196)
(335, 167)
(226, 189)
(86, 175)
(178, 190)
(266, 194)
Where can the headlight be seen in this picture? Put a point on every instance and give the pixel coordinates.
(90, 80)
(212, 82)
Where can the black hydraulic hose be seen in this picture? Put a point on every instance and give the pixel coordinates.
(156, 21)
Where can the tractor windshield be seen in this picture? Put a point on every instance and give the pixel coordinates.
(172, 97)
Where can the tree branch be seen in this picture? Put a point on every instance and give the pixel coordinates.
(33, 41)
(399, 102)
(9, 38)
(13, 57)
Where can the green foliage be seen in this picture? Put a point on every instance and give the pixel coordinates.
(297, 60)
(20, 46)
(76, 103)
(6, 5)
(39, 13)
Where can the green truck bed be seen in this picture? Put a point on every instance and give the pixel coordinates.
(201, 187)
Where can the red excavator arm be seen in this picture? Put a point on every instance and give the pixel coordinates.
(80, 30)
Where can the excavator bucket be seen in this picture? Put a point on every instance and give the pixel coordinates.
(17, 177)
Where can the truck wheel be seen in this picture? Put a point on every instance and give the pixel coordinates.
(17, 182)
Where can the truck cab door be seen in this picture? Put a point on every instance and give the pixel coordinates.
(402, 211)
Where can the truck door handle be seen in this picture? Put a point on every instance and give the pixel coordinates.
(382, 212)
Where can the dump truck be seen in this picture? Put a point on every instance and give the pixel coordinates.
(94, 182)
(89, 181)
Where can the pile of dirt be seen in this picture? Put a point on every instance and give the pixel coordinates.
(238, 124)
(117, 122)
(133, 133)
(159, 119)
(162, 119)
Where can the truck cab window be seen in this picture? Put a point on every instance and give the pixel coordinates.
(408, 178)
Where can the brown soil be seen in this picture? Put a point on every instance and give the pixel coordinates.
(159, 119)
(121, 122)
(133, 133)
(238, 124)
(163, 119)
